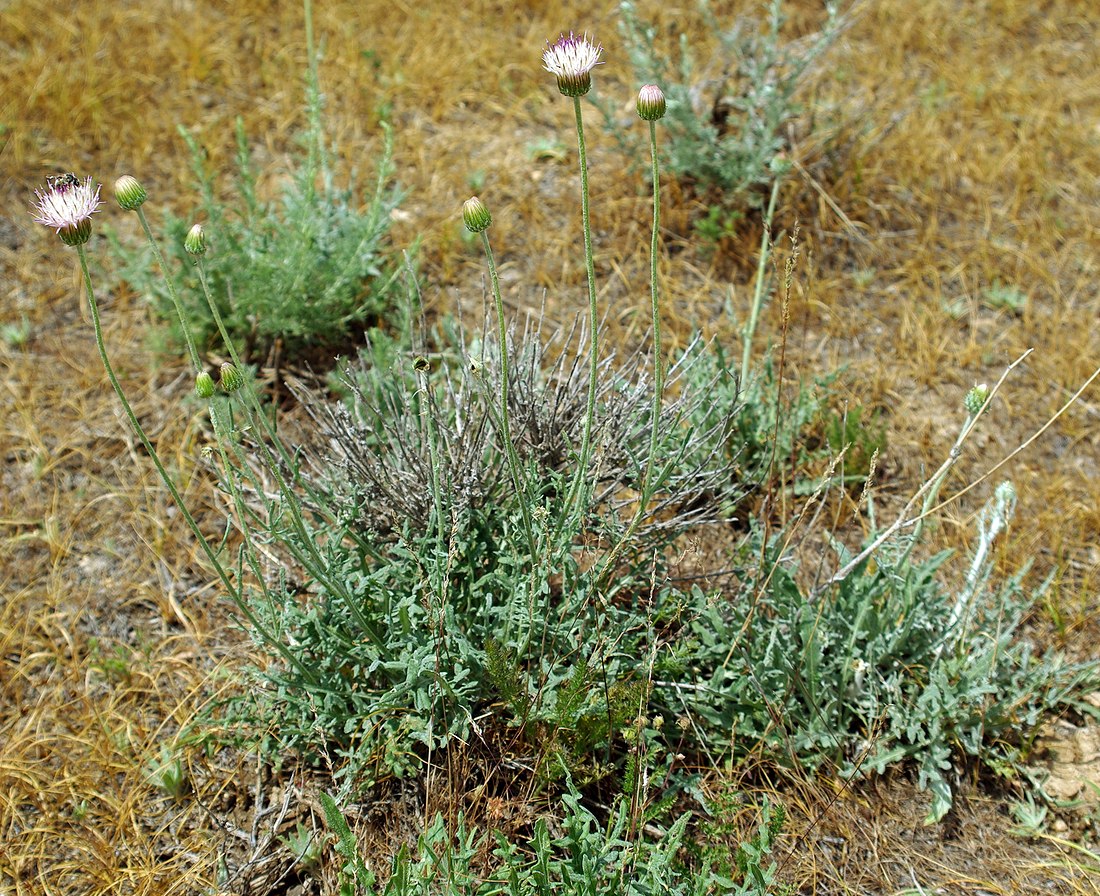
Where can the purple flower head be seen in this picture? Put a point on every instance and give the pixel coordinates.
(571, 60)
(67, 205)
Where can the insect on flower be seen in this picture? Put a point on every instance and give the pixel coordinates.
(61, 181)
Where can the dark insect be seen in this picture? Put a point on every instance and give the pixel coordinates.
(63, 180)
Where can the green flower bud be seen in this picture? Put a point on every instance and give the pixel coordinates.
(475, 215)
(129, 193)
(204, 385)
(780, 164)
(231, 378)
(651, 103)
(195, 241)
(976, 399)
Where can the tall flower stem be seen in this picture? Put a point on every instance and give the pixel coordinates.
(648, 485)
(575, 497)
(192, 351)
(505, 425)
(211, 555)
(311, 558)
(428, 422)
(649, 480)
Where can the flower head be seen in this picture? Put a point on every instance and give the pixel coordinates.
(204, 384)
(230, 379)
(651, 103)
(195, 241)
(67, 205)
(129, 193)
(572, 59)
(976, 398)
(475, 215)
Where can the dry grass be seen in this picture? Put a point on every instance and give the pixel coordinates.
(960, 140)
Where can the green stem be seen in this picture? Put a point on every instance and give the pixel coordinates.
(576, 491)
(658, 367)
(934, 490)
(195, 362)
(433, 459)
(505, 425)
(313, 562)
(649, 486)
(233, 590)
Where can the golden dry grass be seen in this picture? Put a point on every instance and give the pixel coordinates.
(960, 139)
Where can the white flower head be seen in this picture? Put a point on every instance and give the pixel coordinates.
(571, 59)
(67, 205)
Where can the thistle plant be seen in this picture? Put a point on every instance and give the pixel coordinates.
(730, 109)
(301, 273)
(439, 583)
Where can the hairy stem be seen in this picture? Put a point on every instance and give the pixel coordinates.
(204, 544)
(311, 558)
(505, 425)
(195, 362)
(575, 499)
(649, 481)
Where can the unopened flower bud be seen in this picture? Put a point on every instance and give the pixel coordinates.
(475, 215)
(195, 241)
(231, 379)
(204, 385)
(651, 103)
(976, 398)
(129, 193)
